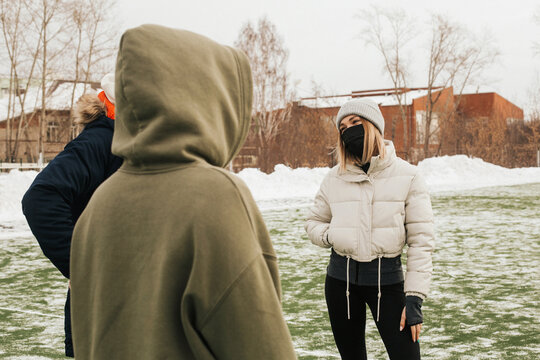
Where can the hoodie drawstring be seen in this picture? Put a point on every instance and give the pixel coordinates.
(379, 287)
(347, 292)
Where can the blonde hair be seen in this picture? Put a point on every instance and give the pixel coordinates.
(88, 108)
(373, 140)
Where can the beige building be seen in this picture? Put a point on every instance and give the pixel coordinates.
(20, 130)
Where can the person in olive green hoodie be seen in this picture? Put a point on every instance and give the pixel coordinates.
(171, 258)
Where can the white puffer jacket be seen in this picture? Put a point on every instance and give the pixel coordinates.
(366, 217)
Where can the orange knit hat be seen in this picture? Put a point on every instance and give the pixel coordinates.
(110, 106)
(107, 95)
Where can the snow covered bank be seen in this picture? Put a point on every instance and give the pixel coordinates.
(284, 182)
(447, 173)
(459, 172)
(12, 188)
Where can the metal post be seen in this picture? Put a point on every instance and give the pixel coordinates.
(538, 157)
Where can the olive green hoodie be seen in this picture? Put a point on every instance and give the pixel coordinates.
(171, 258)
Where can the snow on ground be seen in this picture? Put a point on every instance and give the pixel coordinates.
(12, 188)
(459, 172)
(284, 182)
(447, 173)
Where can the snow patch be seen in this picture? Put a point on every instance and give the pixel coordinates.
(284, 182)
(459, 172)
(12, 188)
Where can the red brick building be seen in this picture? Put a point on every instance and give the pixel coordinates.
(460, 125)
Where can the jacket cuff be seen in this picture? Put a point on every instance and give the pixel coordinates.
(416, 294)
(325, 239)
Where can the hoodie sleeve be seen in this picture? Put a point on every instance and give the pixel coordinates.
(60, 192)
(420, 239)
(319, 218)
(248, 322)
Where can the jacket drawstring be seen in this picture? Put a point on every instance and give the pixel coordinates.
(379, 287)
(379, 294)
(347, 292)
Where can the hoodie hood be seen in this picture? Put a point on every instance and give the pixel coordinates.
(180, 98)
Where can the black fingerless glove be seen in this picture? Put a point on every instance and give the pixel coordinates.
(413, 311)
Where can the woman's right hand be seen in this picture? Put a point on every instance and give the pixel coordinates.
(415, 329)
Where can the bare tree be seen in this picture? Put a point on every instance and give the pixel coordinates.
(313, 127)
(22, 50)
(390, 31)
(95, 33)
(79, 14)
(45, 12)
(10, 17)
(272, 94)
(102, 34)
(533, 123)
(455, 58)
(46, 40)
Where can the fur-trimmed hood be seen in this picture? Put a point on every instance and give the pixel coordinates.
(88, 109)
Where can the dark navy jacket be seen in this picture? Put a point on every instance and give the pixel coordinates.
(60, 192)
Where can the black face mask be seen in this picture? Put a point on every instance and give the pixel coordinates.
(353, 138)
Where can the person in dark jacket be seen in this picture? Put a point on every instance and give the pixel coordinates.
(60, 192)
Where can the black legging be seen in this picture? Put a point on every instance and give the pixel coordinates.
(349, 334)
(67, 326)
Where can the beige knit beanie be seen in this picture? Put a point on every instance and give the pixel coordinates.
(365, 108)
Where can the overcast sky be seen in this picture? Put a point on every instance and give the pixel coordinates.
(323, 37)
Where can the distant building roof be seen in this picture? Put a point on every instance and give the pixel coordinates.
(58, 97)
(383, 97)
(478, 89)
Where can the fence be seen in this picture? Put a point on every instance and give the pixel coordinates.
(7, 166)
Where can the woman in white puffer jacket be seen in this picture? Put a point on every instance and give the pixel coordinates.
(368, 208)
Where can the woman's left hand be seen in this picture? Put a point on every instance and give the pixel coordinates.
(415, 329)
